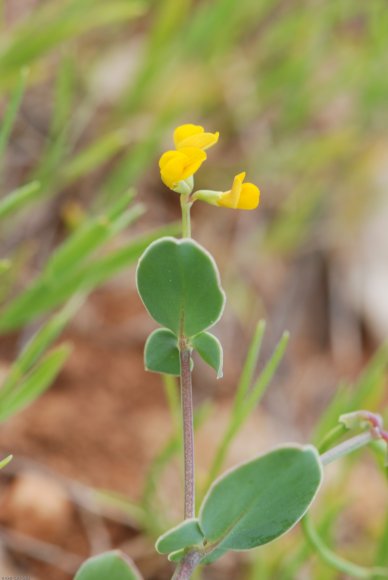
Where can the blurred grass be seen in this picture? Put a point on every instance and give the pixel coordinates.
(299, 91)
(297, 87)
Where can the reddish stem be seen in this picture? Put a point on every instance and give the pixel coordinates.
(188, 433)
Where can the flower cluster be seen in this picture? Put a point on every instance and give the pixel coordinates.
(178, 166)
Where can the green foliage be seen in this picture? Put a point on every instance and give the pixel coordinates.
(66, 273)
(209, 348)
(161, 352)
(246, 400)
(34, 383)
(51, 25)
(113, 565)
(11, 113)
(245, 508)
(382, 549)
(178, 282)
(35, 348)
(187, 533)
(19, 199)
(251, 504)
(367, 393)
(323, 115)
(335, 561)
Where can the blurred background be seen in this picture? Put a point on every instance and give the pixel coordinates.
(90, 94)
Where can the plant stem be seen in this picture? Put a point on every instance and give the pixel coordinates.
(346, 447)
(186, 566)
(188, 432)
(335, 561)
(186, 223)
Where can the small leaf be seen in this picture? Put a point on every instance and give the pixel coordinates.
(111, 565)
(161, 353)
(184, 535)
(210, 349)
(179, 284)
(176, 556)
(261, 499)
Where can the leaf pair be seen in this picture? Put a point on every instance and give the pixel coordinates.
(250, 505)
(179, 284)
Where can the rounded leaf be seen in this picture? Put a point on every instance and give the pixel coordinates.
(179, 284)
(113, 565)
(161, 353)
(210, 350)
(260, 500)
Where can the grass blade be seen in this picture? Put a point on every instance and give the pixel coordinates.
(241, 413)
(19, 198)
(35, 383)
(38, 344)
(47, 293)
(250, 364)
(10, 114)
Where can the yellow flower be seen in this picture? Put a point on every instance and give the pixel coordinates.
(241, 196)
(176, 166)
(194, 136)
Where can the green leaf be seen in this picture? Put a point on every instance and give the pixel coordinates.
(210, 349)
(111, 565)
(260, 500)
(176, 556)
(161, 353)
(35, 383)
(185, 534)
(179, 284)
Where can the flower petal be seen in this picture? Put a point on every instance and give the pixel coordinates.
(175, 166)
(166, 157)
(241, 196)
(194, 136)
(185, 131)
(171, 170)
(249, 196)
(194, 159)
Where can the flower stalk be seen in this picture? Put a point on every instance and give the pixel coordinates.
(186, 221)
